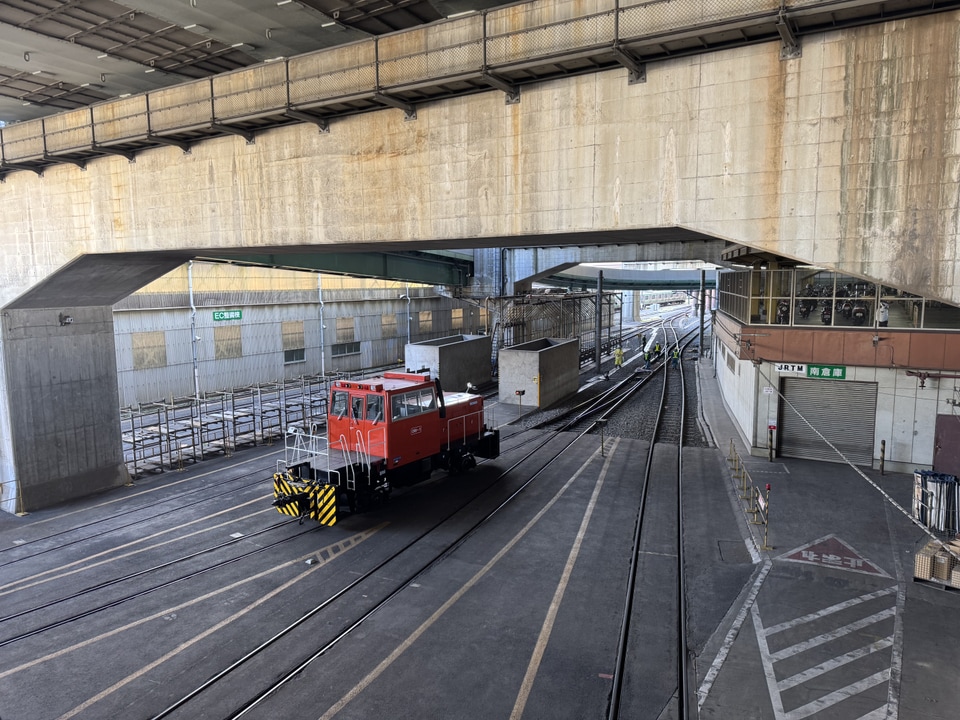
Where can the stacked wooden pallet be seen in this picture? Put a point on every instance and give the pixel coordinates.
(937, 562)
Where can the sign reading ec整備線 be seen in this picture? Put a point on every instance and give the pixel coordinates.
(827, 372)
(227, 315)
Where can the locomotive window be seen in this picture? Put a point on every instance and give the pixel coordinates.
(374, 408)
(427, 400)
(339, 403)
(356, 405)
(412, 403)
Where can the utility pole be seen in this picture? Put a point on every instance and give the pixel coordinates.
(599, 329)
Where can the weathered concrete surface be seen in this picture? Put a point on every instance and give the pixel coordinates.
(455, 360)
(845, 157)
(63, 438)
(545, 371)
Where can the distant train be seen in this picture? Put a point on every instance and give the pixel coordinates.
(382, 432)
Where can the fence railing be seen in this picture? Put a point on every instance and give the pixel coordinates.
(475, 46)
(757, 501)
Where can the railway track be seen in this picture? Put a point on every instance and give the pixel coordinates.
(668, 431)
(538, 459)
(585, 419)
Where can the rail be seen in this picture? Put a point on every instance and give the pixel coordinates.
(502, 48)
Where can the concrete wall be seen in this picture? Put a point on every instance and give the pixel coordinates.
(547, 370)
(64, 412)
(845, 157)
(456, 360)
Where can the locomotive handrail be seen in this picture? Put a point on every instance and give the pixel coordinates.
(363, 451)
(463, 419)
(300, 446)
(348, 462)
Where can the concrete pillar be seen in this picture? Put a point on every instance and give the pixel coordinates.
(59, 389)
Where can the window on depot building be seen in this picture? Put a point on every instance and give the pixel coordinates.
(294, 347)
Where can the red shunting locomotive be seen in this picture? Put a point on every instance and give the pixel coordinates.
(382, 432)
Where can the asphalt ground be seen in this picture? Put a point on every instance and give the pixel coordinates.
(831, 624)
(520, 620)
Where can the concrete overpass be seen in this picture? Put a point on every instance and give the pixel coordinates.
(796, 136)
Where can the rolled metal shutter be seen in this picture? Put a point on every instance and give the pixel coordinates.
(843, 412)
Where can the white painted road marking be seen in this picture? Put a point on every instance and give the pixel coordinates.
(836, 662)
(728, 641)
(832, 635)
(828, 611)
(837, 694)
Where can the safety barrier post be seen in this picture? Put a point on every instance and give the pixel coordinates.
(755, 501)
(883, 452)
(763, 510)
(743, 485)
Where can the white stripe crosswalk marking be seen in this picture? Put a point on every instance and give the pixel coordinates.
(773, 629)
(832, 635)
(838, 696)
(881, 713)
(836, 662)
(768, 672)
(778, 687)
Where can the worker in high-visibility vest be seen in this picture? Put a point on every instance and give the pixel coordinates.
(676, 356)
(646, 359)
(618, 357)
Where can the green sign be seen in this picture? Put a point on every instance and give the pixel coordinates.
(227, 315)
(829, 372)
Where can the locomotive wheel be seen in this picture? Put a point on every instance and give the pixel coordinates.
(462, 460)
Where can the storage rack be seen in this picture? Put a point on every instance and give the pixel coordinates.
(166, 435)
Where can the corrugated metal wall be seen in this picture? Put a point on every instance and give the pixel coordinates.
(266, 299)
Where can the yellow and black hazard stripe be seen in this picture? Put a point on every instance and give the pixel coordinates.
(301, 499)
(325, 504)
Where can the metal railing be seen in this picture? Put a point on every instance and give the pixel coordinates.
(477, 46)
